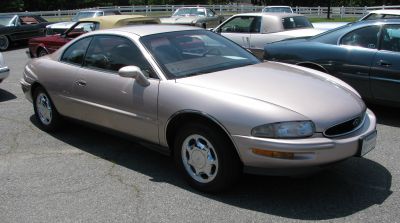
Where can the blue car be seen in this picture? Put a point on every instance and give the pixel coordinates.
(365, 54)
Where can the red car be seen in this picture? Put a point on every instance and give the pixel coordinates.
(45, 45)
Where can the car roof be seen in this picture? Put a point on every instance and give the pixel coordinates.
(277, 6)
(266, 14)
(99, 10)
(386, 11)
(194, 7)
(149, 29)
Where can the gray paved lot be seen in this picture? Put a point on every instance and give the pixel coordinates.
(84, 175)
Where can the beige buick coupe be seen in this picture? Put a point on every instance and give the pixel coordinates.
(203, 99)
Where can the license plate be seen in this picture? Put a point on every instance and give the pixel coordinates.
(367, 143)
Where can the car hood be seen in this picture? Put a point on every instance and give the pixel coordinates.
(179, 19)
(300, 32)
(321, 98)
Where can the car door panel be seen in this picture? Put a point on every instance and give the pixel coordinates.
(243, 39)
(352, 65)
(127, 106)
(385, 76)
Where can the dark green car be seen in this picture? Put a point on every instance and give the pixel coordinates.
(366, 55)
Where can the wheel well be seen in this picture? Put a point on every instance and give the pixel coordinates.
(179, 120)
(34, 87)
(313, 66)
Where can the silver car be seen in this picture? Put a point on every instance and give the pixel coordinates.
(198, 96)
(253, 30)
(194, 16)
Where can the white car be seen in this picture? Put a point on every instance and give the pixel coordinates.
(278, 9)
(382, 14)
(253, 30)
(4, 71)
(372, 15)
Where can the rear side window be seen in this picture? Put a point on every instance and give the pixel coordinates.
(391, 38)
(296, 22)
(76, 52)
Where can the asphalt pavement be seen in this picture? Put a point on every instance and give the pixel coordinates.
(81, 174)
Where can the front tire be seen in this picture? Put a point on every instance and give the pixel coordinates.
(4, 42)
(206, 158)
(46, 114)
(42, 52)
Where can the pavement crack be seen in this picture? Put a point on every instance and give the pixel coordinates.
(120, 179)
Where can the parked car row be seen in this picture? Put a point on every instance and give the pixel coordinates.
(41, 46)
(235, 113)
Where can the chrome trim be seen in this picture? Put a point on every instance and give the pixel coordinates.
(385, 79)
(4, 70)
(364, 114)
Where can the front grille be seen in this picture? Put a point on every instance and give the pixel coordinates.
(345, 127)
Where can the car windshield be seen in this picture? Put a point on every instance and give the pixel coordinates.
(278, 9)
(6, 20)
(296, 22)
(82, 15)
(188, 53)
(190, 11)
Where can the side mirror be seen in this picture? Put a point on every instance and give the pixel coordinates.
(134, 72)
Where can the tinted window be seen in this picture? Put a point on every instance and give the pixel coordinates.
(76, 52)
(366, 37)
(391, 38)
(242, 24)
(296, 22)
(190, 11)
(111, 53)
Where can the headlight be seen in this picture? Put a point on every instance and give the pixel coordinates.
(295, 129)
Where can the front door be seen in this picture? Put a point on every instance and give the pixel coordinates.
(113, 101)
(357, 51)
(239, 29)
(385, 72)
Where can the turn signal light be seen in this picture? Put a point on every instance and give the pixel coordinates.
(273, 154)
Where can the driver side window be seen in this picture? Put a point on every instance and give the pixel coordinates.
(366, 37)
(111, 53)
(75, 53)
(242, 24)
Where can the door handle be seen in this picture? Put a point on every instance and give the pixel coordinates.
(80, 83)
(384, 63)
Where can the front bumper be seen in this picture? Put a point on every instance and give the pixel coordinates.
(4, 73)
(308, 153)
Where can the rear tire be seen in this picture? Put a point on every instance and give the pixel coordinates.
(4, 42)
(45, 112)
(206, 158)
